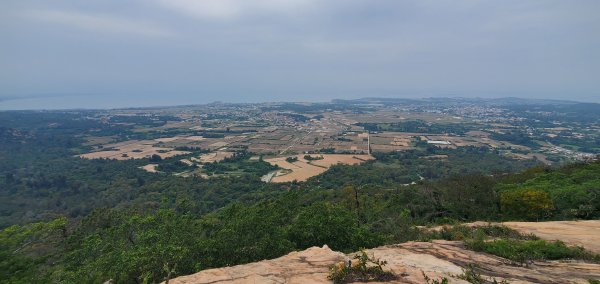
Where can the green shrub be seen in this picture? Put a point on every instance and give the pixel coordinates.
(428, 280)
(364, 270)
(311, 158)
(325, 223)
(472, 275)
(533, 204)
(524, 251)
(461, 233)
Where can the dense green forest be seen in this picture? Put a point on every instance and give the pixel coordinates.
(71, 220)
(137, 243)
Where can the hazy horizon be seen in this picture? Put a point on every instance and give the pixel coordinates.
(46, 103)
(107, 54)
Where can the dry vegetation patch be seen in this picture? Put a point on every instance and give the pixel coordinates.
(215, 156)
(151, 168)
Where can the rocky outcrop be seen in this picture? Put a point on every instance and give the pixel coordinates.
(436, 259)
(585, 233)
(410, 260)
(448, 259)
(308, 266)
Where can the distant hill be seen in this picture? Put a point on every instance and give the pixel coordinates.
(492, 101)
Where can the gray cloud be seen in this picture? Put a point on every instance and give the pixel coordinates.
(97, 23)
(255, 50)
(231, 10)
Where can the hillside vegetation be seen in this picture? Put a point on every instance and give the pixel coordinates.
(135, 244)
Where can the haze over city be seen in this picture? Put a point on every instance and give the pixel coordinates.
(106, 54)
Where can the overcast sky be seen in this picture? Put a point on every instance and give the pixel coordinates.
(108, 53)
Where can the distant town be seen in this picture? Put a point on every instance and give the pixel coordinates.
(545, 131)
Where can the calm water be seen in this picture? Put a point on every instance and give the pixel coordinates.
(95, 102)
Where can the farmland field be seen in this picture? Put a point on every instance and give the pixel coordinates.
(303, 169)
(133, 149)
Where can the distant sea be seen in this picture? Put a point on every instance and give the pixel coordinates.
(92, 102)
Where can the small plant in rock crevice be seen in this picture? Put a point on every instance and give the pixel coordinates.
(363, 268)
